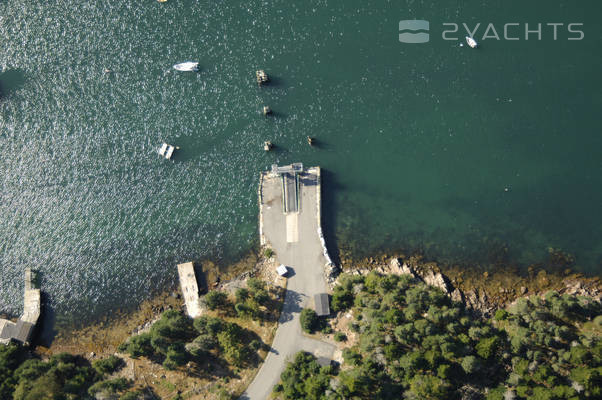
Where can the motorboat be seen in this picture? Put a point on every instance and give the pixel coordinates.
(471, 42)
(167, 150)
(187, 66)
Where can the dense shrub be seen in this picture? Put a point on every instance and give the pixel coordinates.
(309, 320)
(138, 346)
(303, 379)
(108, 365)
(255, 285)
(241, 295)
(62, 376)
(340, 337)
(216, 300)
(414, 343)
(108, 387)
(11, 356)
(171, 331)
(342, 299)
(173, 340)
(176, 356)
(134, 395)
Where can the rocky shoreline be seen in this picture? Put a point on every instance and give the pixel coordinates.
(483, 293)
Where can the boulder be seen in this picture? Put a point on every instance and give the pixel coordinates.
(457, 296)
(401, 269)
(436, 279)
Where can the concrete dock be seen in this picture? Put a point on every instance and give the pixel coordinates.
(190, 289)
(22, 330)
(293, 233)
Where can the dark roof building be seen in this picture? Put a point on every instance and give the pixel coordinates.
(321, 302)
(23, 331)
(20, 331)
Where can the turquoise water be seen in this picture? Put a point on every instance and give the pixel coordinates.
(471, 156)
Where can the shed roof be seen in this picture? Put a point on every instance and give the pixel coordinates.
(321, 302)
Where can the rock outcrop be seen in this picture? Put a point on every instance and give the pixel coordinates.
(579, 288)
(476, 299)
(437, 279)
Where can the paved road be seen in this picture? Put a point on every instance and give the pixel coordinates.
(301, 251)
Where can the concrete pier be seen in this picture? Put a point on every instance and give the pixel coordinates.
(289, 223)
(22, 330)
(190, 289)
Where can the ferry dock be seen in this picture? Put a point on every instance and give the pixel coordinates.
(289, 223)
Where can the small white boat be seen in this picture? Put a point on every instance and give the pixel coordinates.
(167, 150)
(471, 42)
(187, 66)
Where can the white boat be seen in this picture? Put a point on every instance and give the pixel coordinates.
(471, 42)
(187, 66)
(166, 150)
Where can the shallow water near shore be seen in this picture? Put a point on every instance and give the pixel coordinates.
(469, 156)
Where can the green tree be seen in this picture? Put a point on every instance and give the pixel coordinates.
(243, 310)
(340, 337)
(303, 379)
(45, 387)
(108, 365)
(261, 296)
(590, 379)
(496, 393)
(206, 325)
(62, 376)
(216, 300)
(139, 345)
(134, 395)
(241, 295)
(309, 320)
(176, 356)
(342, 299)
(11, 356)
(108, 387)
(233, 344)
(501, 314)
(423, 387)
(469, 364)
(202, 345)
(255, 285)
(487, 347)
(351, 357)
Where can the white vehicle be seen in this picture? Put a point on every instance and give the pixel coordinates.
(187, 66)
(471, 42)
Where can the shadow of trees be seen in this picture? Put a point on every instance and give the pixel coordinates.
(291, 305)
